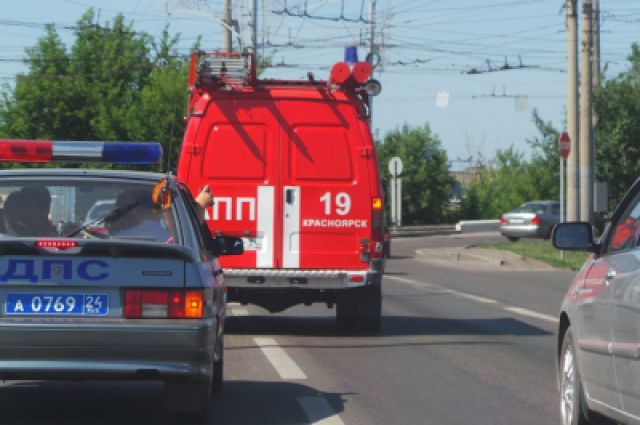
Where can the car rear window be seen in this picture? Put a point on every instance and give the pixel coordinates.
(90, 208)
(530, 207)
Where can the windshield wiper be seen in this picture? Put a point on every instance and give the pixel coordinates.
(113, 216)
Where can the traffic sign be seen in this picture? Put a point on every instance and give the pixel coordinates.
(395, 166)
(565, 145)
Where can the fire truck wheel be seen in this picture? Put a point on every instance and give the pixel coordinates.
(371, 308)
(347, 312)
(360, 309)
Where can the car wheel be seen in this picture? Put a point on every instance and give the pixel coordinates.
(218, 369)
(189, 398)
(513, 238)
(573, 407)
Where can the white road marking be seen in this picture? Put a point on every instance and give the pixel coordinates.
(319, 411)
(233, 304)
(476, 298)
(517, 310)
(279, 359)
(239, 312)
(531, 313)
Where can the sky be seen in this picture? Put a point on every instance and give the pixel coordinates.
(427, 49)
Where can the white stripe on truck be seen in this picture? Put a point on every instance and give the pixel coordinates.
(291, 230)
(266, 203)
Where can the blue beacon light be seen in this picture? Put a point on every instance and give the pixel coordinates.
(351, 54)
(132, 153)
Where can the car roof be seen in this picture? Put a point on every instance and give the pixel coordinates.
(81, 172)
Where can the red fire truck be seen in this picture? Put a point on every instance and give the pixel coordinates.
(293, 170)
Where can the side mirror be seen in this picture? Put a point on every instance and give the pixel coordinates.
(576, 236)
(228, 245)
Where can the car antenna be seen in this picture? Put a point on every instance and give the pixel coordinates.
(171, 136)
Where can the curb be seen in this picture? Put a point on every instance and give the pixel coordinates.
(467, 226)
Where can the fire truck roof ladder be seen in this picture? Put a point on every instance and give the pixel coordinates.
(228, 68)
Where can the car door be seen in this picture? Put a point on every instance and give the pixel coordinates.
(593, 334)
(624, 279)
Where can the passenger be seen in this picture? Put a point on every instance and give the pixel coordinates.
(143, 219)
(39, 202)
(204, 199)
(26, 213)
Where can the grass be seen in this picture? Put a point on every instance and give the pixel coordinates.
(542, 250)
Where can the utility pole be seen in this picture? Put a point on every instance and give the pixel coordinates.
(586, 123)
(573, 187)
(253, 25)
(595, 81)
(227, 24)
(373, 48)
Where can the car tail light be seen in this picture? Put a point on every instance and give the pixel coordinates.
(502, 219)
(56, 243)
(535, 220)
(163, 304)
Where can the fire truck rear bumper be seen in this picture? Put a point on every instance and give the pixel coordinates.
(300, 279)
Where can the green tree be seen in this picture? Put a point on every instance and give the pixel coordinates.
(112, 84)
(38, 105)
(617, 104)
(426, 183)
(509, 179)
(110, 65)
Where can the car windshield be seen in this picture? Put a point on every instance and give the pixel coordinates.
(530, 207)
(85, 208)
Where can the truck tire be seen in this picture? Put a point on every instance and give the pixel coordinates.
(360, 309)
(370, 304)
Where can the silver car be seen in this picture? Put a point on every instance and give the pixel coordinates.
(136, 293)
(533, 219)
(599, 333)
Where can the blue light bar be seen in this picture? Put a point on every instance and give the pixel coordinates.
(32, 151)
(132, 153)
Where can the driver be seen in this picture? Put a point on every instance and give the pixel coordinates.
(142, 220)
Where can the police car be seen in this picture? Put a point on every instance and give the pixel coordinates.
(134, 294)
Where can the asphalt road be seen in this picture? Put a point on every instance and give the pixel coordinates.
(461, 345)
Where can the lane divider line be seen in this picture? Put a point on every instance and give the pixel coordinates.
(476, 298)
(239, 312)
(279, 359)
(531, 313)
(319, 411)
(517, 310)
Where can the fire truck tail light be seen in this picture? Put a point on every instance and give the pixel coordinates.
(163, 304)
(356, 278)
(376, 203)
